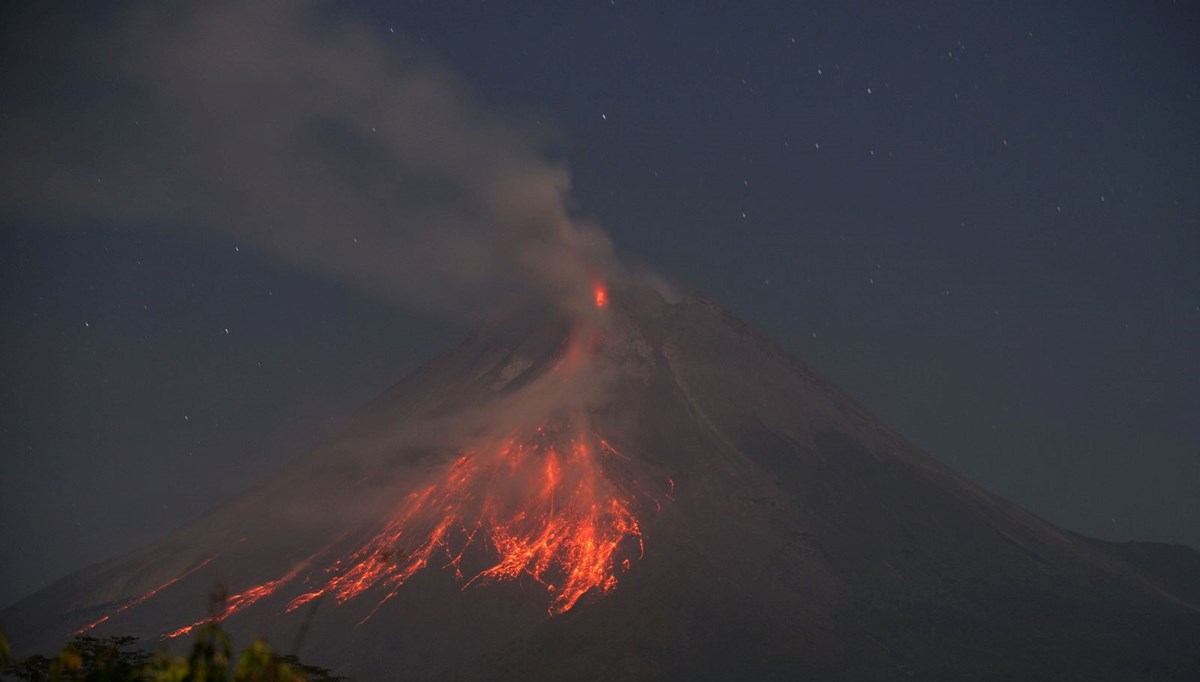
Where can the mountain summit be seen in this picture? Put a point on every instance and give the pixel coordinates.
(651, 490)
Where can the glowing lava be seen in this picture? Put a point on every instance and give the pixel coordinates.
(140, 600)
(536, 505)
(243, 599)
(547, 505)
(540, 508)
(600, 295)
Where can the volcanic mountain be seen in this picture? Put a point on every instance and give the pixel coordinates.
(654, 491)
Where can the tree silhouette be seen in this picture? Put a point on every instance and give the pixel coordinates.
(115, 659)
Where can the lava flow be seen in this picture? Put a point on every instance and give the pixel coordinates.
(540, 508)
(537, 504)
(142, 599)
(243, 599)
(545, 504)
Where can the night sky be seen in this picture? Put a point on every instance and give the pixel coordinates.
(982, 221)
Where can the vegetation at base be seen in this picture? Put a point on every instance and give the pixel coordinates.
(115, 659)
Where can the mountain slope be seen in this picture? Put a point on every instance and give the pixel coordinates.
(786, 533)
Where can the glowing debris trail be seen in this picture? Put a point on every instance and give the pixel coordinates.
(543, 508)
(535, 504)
(243, 599)
(140, 600)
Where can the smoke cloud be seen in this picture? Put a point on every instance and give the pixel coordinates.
(316, 139)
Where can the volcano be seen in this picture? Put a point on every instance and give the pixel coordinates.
(651, 491)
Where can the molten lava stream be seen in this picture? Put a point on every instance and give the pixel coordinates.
(540, 508)
(244, 599)
(142, 599)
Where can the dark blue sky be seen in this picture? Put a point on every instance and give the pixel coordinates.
(982, 221)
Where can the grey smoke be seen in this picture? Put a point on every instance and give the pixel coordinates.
(318, 140)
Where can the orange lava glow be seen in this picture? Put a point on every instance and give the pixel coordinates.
(539, 507)
(140, 600)
(547, 506)
(534, 505)
(243, 599)
(600, 294)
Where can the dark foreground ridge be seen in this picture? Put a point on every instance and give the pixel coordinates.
(787, 533)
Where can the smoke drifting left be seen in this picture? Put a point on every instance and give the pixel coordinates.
(523, 487)
(333, 147)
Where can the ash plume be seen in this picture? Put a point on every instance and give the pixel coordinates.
(325, 143)
(318, 139)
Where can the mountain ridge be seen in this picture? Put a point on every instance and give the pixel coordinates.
(786, 530)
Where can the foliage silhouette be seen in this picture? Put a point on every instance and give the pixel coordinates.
(114, 659)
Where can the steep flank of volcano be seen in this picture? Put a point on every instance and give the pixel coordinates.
(658, 492)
